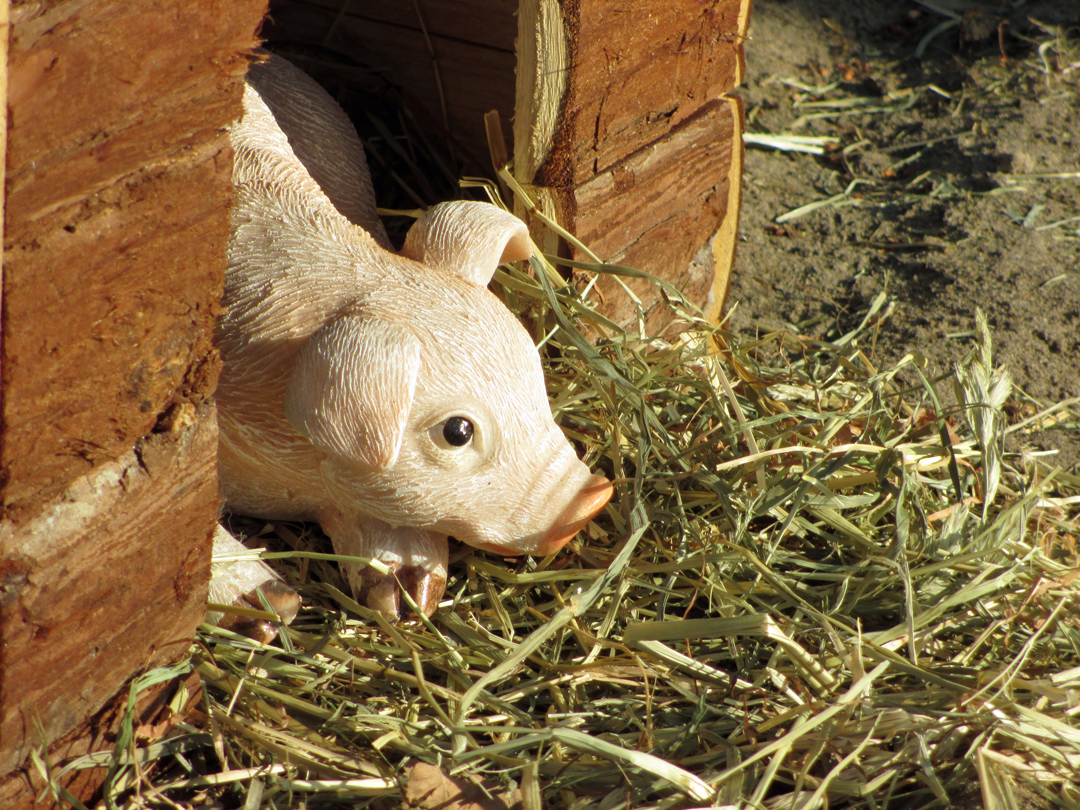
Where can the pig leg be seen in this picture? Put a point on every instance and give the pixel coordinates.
(417, 559)
(239, 583)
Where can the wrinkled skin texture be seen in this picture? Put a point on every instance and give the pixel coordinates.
(351, 370)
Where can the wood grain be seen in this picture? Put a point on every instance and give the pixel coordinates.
(117, 197)
(655, 209)
(644, 163)
(638, 70)
(116, 221)
(154, 717)
(489, 23)
(462, 68)
(110, 579)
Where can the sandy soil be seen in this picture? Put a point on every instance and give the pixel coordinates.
(968, 170)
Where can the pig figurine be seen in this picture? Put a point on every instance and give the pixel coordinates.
(389, 396)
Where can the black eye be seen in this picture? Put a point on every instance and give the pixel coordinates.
(457, 431)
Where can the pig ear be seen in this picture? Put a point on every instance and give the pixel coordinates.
(352, 388)
(469, 239)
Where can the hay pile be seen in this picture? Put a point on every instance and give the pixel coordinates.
(815, 587)
(818, 585)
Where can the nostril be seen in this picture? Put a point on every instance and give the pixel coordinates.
(597, 492)
(593, 497)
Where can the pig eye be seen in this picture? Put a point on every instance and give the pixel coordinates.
(458, 431)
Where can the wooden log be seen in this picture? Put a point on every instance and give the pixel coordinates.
(117, 187)
(116, 222)
(156, 711)
(632, 72)
(625, 131)
(687, 174)
(488, 23)
(109, 579)
(602, 88)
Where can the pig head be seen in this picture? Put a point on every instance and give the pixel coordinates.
(388, 396)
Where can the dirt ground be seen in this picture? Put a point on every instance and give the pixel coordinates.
(961, 167)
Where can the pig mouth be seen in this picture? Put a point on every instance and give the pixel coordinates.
(587, 504)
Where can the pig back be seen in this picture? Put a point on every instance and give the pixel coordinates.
(323, 139)
(294, 263)
(305, 235)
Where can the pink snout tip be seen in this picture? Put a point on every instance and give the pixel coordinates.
(587, 505)
(593, 497)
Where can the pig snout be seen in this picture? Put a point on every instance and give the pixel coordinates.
(589, 501)
(586, 505)
(563, 498)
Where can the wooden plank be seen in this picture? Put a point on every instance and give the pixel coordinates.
(116, 222)
(96, 349)
(153, 716)
(635, 71)
(99, 91)
(624, 129)
(5, 33)
(490, 23)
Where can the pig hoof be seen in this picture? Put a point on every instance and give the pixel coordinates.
(256, 629)
(425, 587)
(246, 583)
(380, 594)
(381, 591)
(283, 599)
